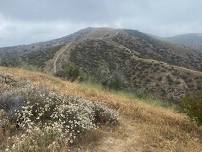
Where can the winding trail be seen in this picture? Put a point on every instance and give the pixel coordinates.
(60, 52)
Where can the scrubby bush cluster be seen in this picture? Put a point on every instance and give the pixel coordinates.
(50, 119)
(114, 84)
(192, 106)
(72, 72)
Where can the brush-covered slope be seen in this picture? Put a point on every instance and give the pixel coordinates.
(128, 59)
(106, 62)
(142, 126)
(146, 46)
(192, 40)
(36, 54)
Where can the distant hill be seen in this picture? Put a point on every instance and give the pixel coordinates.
(119, 58)
(193, 40)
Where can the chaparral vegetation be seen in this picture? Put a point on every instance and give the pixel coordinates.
(43, 113)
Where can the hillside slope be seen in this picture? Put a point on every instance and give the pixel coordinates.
(94, 58)
(143, 127)
(148, 47)
(193, 40)
(131, 59)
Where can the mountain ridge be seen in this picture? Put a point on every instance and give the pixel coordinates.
(130, 58)
(191, 40)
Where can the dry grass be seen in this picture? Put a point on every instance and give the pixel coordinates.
(143, 127)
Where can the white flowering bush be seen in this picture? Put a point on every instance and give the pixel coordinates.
(3, 119)
(4, 87)
(46, 139)
(44, 113)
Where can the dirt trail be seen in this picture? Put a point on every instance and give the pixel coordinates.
(60, 52)
(125, 138)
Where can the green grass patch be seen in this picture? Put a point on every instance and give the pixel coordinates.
(138, 95)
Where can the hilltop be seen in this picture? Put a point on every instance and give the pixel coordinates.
(142, 126)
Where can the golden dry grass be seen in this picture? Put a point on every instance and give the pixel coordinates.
(143, 127)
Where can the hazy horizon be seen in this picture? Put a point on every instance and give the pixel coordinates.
(25, 22)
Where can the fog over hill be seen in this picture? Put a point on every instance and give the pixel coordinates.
(24, 22)
(192, 40)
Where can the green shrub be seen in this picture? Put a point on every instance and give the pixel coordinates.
(170, 80)
(69, 72)
(72, 72)
(114, 84)
(192, 106)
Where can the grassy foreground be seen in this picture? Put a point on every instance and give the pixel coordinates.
(143, 126)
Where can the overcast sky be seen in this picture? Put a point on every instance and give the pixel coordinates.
(27, 21)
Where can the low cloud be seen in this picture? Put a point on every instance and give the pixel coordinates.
(28, 21)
